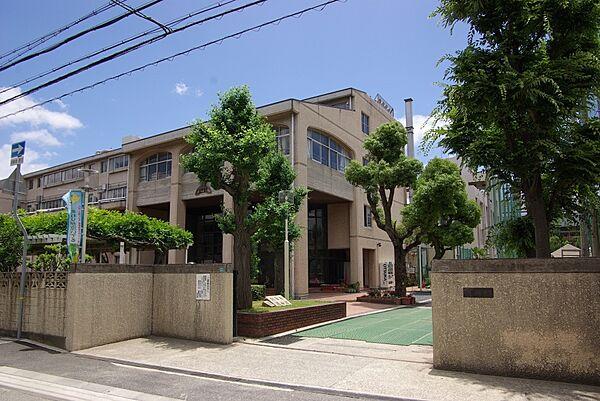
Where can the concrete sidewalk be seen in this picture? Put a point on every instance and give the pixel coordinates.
(339, 365)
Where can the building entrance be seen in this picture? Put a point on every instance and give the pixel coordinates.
(325, 266)
(208, 237)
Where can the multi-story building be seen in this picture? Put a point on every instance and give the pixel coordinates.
(320, 135)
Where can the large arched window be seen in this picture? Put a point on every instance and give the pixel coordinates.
(156, 167)
(327, 151)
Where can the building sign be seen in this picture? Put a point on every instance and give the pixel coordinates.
(386, 273)
(383, 103)
(17, 153)
(74, 202)
(203, 287)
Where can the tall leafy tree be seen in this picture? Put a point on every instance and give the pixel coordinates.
(441, 207)
(389, 170)
(236, 150)
(517, 98)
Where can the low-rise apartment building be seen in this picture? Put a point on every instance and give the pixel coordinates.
(320, 135)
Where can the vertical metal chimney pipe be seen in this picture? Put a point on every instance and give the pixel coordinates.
(408, 111)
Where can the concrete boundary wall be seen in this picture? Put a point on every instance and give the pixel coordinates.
(524, 318)
(97, 304)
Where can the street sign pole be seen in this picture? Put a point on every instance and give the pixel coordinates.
(17, 154)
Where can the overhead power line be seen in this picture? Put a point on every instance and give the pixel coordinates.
(236, 35)
(140, 14)
(37, 42)
(71, 38)
(169, 25)
(128, 50)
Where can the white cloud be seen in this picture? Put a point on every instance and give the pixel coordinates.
(40, 137)
(181, 88)
(31, 163)
(199, 92)
(36, 117)
(60, 104)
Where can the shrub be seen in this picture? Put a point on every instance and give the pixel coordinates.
(258, 292)
(11, 243)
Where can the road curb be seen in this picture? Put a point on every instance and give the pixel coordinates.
(260, 382)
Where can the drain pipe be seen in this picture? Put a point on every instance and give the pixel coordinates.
(410, 147)
(292, 146)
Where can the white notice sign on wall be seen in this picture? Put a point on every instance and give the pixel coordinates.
(203, 287)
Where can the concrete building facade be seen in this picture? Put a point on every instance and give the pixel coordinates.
(320, 135)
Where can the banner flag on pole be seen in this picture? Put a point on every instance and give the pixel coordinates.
(74, 202)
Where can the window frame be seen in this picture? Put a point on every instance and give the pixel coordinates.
(365, 123)
(367, 216)
(322, 148)
(152, 165)
(282, 132)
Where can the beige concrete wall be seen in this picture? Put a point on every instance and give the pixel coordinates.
(105, 307)
(338, 219)
(543, 320)
(177, 313)
(44, 307)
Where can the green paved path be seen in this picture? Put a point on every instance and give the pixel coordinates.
(403, 326)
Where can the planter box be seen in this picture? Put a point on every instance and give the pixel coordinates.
(264, 324)
(388, 300)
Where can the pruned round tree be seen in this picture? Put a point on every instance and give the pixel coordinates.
(441, 208)
(387, 172)
(236, 151)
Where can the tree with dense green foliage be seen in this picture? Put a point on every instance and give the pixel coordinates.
(518, 98)
(109, 226)
(236, 151)
(11, 243)
(514, 237)
(389, 170)
(441, 207)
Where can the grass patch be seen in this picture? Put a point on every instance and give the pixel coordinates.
(257, 306)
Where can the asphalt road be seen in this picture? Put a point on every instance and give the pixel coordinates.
(35, 367)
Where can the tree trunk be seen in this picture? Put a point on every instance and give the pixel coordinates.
(595, 234)
(400, 275)
(536, 209)
(439, 253)
(584, 235)
(242, 251)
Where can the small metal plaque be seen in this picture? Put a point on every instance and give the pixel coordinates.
(472, 292)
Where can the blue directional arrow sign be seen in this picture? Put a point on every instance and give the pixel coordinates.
(17, 151)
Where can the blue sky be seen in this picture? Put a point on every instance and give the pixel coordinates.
(389, 47)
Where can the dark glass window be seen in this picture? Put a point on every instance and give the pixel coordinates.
(368, 217)
(364, 122)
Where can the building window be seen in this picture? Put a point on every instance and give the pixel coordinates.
(364, 122)
(156, 167)
(118, 162)
(30, 184)
(368, 217)
(61, 176)
(51, 204)
(114, 193)
(103, 166)
(365, 161)
(283, 138)
(327, 151)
